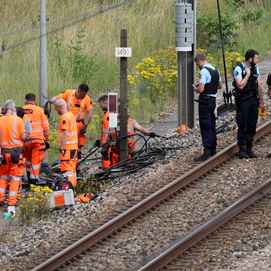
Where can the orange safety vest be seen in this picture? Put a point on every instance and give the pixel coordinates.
(105, 128)
(68, 122)
(130, 138)
(39, 121)
(82, 198)
(131, 131)
(76, 106)
(11, 128)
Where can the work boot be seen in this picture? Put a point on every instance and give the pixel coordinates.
(204, 156)
(243, 152)
(213, 151)
(1, 203)
(250, 153)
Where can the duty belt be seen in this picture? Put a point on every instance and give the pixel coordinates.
(206, 99)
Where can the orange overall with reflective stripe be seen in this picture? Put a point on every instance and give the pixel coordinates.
(104, 129)
(34, 148)
(78, 108)
(11, 169)
(68, 159)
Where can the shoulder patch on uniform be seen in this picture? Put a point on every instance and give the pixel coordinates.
(90, 102)
(64, 122)
(199, 76)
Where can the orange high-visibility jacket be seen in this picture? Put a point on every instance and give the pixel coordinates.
(76, 106)
(105, 128)
(39, 121)
(11, 128)
(130, 139)
(68, 122)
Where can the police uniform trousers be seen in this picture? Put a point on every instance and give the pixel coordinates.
(247, 117)
(68, 165)
(11, 171)
(207, 124)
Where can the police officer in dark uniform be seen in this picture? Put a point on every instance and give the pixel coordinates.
(209, 82)
(247, 90)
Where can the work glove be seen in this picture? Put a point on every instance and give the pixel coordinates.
(97, 143)
(152, 134)
(84, 129)
(47, 145)
(104, 152)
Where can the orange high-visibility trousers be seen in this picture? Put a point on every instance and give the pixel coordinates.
(68, 165)
(81, 138)
(11, 171)
(114, 158)
(34, 151)
(106, 163)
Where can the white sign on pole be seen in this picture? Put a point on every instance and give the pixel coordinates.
(123, 51)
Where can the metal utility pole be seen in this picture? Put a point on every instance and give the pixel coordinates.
(43, 63)
(43, 54)
(186, 48)
(123, 99)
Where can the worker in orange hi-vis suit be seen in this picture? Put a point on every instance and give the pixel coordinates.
(68, 141)
(12, 133)
(35, 147)
(132, 125)
(28, 131)
(103, 101)
(78, 103)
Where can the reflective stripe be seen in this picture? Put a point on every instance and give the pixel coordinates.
(12, 193)
(34, 177)
(2, 190)
(13, 178)
(66, 174)
(77, 199)
(37, 131)
(80, 116)
(27, 162)
(36, 123)
(45, 122)
(36, 167)
(5, 177)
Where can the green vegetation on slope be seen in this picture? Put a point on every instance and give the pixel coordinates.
(84, 52)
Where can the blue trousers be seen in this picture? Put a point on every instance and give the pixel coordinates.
(247, 117)
(207, 124)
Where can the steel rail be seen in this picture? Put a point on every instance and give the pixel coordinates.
(196, 236)
(145, 205)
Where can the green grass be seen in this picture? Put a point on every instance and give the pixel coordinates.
(150, 26)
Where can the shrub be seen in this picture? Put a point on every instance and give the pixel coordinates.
(35, 206)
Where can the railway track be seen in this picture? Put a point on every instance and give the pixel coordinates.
(153, 225)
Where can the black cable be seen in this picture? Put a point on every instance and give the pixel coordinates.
(140, 159)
